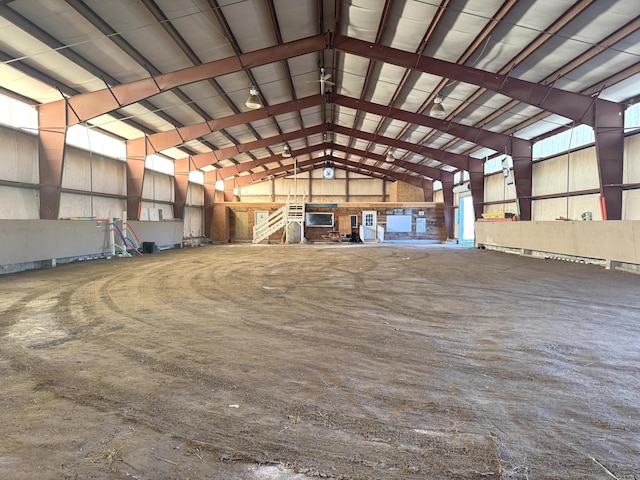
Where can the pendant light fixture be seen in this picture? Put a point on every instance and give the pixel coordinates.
(390, 156)
(437, 110)
(286, 151)
(253, 102)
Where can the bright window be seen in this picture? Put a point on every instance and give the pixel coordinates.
(160, 164)
(95, 141)
(564, 142)
(196, 176)
(18, 114)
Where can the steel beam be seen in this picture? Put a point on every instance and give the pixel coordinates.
(209, 158)
(136, 158)
(519, 149)
(523, 172)
(575, 106)
(86, 106)
(51, 150)
(226, 172)
(476, 185)
(427, 188)
(252, 178)
(448, 158)
(609, 133)
(181, 185)
(494, 140)
(210, 179)
(449, 210)
(178, 136)
(433, 173)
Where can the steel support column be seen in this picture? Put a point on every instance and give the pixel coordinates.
(181, 185)
(521, 153)
(136, 158)
(229, 186)
(609, 132)
(51, 150)
(447, 193)
(427, 188)
(210, 179)
(476, 184)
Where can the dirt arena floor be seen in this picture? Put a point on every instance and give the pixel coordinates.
(320, 361)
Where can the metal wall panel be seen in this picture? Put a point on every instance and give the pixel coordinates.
(18, 156)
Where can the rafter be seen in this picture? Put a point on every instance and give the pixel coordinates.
(575, 106)
(86, 106)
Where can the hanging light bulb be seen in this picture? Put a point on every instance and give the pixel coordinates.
(286, 151)
(390, 157)
(437, 110)
(253, 102)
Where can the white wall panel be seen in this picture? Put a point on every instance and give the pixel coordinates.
(632, 160)
(583, 170)
(262, 188)
(286, 186)
(195, 194)
(76, 205)
(631, 205)
(371, 186)
(572, 208)
(91, 172)
(19, 203)
(193, 222)
(496, 188)
(157, 186)
(550, 176)
(503, 208)
(147, 212)
(18, 156)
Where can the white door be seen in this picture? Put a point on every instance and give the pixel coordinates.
(467, 220)
(260, 216)
(369, 225)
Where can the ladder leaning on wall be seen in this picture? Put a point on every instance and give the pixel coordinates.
(289, 213)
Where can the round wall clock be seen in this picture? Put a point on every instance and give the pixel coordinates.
(328, 173)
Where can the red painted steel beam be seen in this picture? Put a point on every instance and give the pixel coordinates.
(474, 166)
(609, 132)
(226, 172)
(433, 173)
(209, 158)
(520, 150)
(51, 149)
(476, 185)
(86, 106)
(178, 136)
(448, 158)
(181, 185)
(253, 178)
(449, 209)
(210, 179)
(575, 106)
(494, 140)
(136, 158)
(523, 172)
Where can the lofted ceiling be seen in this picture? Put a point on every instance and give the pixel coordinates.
(341, 81)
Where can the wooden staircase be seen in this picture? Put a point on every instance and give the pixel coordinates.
(290, 212)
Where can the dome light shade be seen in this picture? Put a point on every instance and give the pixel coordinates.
(437, 110)
(253, 102)
(286, 151)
